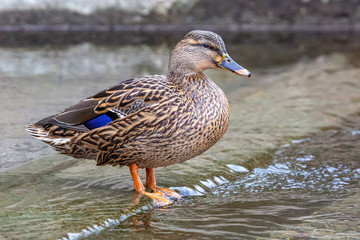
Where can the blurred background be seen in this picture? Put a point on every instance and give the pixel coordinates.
(234, 15)
(288, 166)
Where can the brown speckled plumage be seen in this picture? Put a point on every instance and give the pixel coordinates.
(156, 120)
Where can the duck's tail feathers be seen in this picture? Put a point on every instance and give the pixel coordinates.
(45, 134)
(63, 140)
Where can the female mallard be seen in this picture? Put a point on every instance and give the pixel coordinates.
(152, 121)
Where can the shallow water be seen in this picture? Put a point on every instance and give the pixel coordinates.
(288, 167)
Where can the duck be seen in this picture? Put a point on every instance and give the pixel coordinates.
(151, 121)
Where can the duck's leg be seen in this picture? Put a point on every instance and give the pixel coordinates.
(151, 183)
(139, 187)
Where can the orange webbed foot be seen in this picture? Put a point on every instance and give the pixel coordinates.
(168, 192)
(151, 183)
(158, 196)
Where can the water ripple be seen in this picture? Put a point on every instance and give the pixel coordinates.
(245, 203)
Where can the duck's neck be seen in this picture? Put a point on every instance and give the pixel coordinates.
(182, 73)
(187, 80)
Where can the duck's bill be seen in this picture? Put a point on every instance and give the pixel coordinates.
(227, 63)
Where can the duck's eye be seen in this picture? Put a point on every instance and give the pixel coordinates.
(206, 45)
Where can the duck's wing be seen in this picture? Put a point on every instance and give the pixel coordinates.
(110, 104)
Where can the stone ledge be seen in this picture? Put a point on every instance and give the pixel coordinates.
(184, 12)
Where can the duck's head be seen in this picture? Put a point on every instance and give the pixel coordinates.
(201, 50)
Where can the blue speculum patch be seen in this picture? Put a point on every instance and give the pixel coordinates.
(97, 122)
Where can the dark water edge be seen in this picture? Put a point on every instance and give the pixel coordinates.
(168, 28)
(28, 35)
(259, 49)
